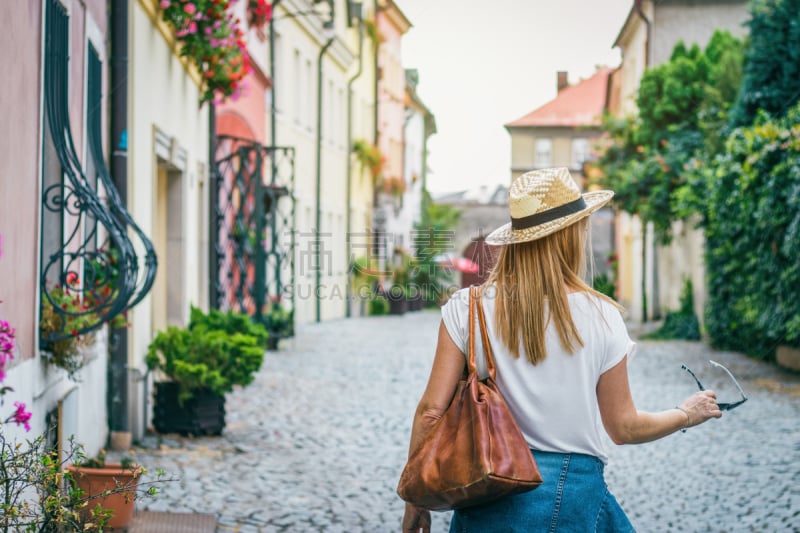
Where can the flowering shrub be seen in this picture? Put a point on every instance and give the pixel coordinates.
(369, 157)
(20, 416)
(39, 492)
(77, 307)
(258, 13)
(211, 37)
(65, 353)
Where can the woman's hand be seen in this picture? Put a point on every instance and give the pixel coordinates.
(416, 520)
(699, 407)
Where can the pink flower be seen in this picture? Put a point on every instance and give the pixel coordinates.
(164, 4)
(21, 416)
(192, 29)
(190, 8)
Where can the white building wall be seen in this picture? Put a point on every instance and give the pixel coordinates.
(297, 50)
(414, 138)
(694, 22)
(164, 119)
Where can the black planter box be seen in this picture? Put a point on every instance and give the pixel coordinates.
(415, 303)
(202, 414)
(397, 306)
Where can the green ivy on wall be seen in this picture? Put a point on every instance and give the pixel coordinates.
(753, 237)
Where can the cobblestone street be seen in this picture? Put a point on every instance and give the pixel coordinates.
(318, 441)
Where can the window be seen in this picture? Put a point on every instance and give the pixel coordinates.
(580, 152)
(309, 103)
(278, 68)
(298, 82)
(342, 122)
(331, 109)
(544, 153)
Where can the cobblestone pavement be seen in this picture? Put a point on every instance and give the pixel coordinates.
(318, 441)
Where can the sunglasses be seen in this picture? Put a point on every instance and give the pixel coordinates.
(722, 406)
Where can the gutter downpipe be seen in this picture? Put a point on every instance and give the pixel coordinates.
(637, 5)
(348, 218)
(318, 217)
(117, 393)
(273, 110)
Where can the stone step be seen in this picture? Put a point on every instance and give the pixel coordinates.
(163, 522)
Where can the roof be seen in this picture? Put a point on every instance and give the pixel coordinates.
(581, 104)
(412, 78)
(625, 25)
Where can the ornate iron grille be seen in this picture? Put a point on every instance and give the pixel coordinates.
(253, 204)
(147, 275)
(89, 271)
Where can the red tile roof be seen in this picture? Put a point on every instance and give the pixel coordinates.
(581, 104)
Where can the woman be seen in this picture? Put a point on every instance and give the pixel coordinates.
(561, 351)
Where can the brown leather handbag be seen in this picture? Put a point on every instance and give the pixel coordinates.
(475, 453)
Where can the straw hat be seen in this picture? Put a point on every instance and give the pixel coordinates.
(542, 202)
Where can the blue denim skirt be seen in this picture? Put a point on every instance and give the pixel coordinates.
(573, 498)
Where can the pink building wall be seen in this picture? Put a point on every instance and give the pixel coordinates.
(247, 116)
(21, 26)
(391, 92)
(20, 140)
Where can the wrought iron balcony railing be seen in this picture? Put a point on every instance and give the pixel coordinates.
(90, 270)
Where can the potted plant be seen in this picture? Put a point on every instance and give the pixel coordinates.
(201, 363)
(279, 323)
(41, 490)
(76, 306)
(399, 282)
(111, 486)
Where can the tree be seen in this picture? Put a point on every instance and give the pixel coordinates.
(683, 106)
(772, 72)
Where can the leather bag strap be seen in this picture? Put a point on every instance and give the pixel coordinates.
(471, 368)
(475, 302)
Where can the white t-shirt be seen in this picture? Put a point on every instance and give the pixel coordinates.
(554, 402)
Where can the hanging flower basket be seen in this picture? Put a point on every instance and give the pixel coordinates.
(369, 157)
(211, 37)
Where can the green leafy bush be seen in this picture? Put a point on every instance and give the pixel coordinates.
(683, 107)
(215, 352)
(228, 322)
(279, 322)
(378, 305)
(752, 231)
(683, 323)
(603, 284)
(772, 70)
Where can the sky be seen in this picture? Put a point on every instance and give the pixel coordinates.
(483, 64)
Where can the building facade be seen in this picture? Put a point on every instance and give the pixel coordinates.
(57, 242)
(418, 126)
(649, 272)
(391, 223)
(563, 133)
(312, 62)
(168, 177)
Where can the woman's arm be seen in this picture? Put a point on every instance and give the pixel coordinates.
(448, 366)
(627, 425)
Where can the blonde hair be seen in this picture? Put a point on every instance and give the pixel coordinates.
(533, 278)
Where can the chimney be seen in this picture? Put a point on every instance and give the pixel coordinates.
(561, 80)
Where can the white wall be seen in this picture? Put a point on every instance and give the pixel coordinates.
(297, 57)
(694, 22)
(163, 104)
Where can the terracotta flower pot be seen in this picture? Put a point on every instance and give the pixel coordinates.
(98, 480)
